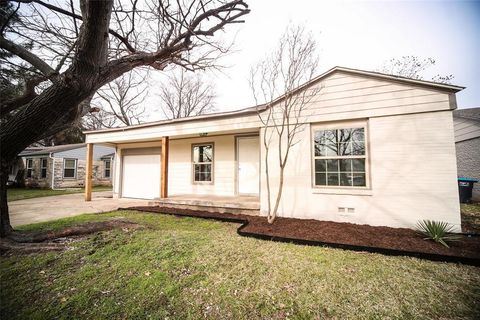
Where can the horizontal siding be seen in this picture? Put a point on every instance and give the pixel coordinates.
(180, 167)
(466, 129)
(339, 96)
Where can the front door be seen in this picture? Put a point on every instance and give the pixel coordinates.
(248, 158)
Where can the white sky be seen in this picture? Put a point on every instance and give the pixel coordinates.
(360, 35)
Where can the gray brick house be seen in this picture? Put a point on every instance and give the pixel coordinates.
(467, 144)
(64, 166)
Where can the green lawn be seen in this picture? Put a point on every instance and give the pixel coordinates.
(189, 268)
(14, 194)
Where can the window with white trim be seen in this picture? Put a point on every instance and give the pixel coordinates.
(29, 166)
(69, 168)
(108, 167)
(43, 168)
(202, 158)
(340, 157)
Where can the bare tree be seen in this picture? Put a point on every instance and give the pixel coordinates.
(412, 67)
(121, 102)
(282, 74)
(74, 49)
(186, 94)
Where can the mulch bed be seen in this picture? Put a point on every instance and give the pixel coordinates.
(386, 240)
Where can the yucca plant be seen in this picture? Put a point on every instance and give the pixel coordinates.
(438, 231)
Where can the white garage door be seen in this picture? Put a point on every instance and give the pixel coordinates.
(141, 176)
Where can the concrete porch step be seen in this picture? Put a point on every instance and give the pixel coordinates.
(233, 205)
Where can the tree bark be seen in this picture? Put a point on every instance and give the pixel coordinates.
(5, 227)
(80, 81)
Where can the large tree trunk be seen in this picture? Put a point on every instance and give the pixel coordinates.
(5, 227)
(52, 106)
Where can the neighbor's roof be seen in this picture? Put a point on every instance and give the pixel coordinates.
(110, 155)
(54, 149)
(471, 113)
(255, 109)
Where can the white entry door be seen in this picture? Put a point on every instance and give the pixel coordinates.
(141, 176)
(248, 156)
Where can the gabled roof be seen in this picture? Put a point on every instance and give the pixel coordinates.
(262, 107)
(110, 155)
(53, 149)
(471, 113)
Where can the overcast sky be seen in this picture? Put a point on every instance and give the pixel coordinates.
(360, 35)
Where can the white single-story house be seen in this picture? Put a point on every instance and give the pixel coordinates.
(63, 166)
(400, 167)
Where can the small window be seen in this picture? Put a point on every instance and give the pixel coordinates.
(340, 157)
(69, 168)
(43, 168)
(202, 163)
(29, 167)
(108, 167)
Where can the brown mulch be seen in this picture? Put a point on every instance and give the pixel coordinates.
(327, 232)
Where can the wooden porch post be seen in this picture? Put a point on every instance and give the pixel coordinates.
(164, 168)
(89, 172)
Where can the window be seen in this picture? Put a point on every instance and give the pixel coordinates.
(108, 166)
(339, 157)
(29, 167)
(43, 168)
(69, 168)
(202, 162)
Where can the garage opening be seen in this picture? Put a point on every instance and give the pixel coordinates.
(141, 173)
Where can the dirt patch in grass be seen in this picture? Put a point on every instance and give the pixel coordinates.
(28, 242)
(335, 233)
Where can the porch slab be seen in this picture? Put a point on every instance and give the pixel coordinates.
(222, 204)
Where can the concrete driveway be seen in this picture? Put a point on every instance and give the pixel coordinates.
(55, 207)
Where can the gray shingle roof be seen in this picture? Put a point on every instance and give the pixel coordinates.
(48, 150)
(471, 113)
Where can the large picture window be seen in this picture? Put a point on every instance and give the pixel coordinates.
(202, 162)
(69, 168)
(340, 157)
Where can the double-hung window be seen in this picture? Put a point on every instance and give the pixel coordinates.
(340, 157)
(43, 168)
(69, 168)
(202, 156)
(29, 165)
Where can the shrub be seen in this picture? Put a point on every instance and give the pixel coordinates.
(437, 231)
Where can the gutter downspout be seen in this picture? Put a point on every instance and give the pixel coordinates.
(52, 186)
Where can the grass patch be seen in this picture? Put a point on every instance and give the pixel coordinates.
(189, 268)
(471, 215)
(14, 194)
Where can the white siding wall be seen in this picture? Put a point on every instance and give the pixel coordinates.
(412, 172)
(180, 167)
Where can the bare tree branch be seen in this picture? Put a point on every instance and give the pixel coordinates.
(292, 64)
(186, 94)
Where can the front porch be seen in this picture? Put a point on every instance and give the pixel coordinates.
(249, 205)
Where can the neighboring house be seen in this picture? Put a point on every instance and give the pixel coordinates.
(467, 143)
(403, 169)
(63, 166)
